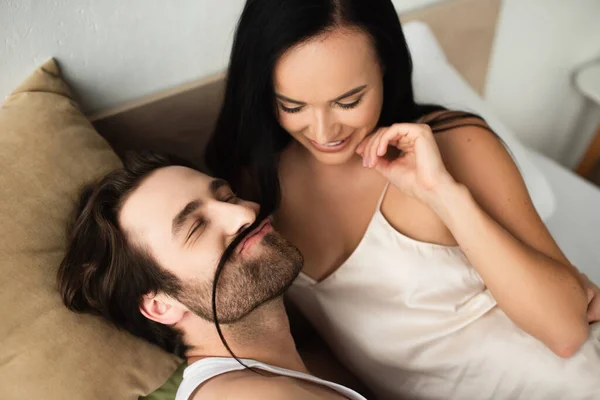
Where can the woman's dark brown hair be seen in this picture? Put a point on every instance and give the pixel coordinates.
(248, 139)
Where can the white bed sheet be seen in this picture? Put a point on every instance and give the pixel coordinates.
(575, 222)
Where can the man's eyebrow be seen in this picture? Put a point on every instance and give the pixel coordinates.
(183, 215)
(347, 94)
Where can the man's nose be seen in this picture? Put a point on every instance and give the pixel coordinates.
(234, 218)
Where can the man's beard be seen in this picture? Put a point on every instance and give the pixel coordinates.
(246, 283)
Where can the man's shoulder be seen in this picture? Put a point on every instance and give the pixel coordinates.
(249, 385)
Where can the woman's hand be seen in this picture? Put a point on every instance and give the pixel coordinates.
(408, 156)
(593, 292)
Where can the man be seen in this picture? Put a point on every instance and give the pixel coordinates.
(170, 254)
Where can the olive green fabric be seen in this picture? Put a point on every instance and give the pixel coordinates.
(169, 389)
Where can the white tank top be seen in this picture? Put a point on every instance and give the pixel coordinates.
(201, 371)
(414, 320)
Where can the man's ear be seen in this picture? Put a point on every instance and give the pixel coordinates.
(161, 308)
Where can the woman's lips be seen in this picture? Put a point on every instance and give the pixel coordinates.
(337, 145)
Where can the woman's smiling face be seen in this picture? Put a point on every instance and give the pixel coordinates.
(329, 93)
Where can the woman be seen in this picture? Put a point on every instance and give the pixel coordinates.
(427, 268)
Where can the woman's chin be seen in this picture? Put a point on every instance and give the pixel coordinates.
(344, 154)
(337, 158)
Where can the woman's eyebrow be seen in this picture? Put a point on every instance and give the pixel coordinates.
(300, 103)
(350, 93)
(287, 99)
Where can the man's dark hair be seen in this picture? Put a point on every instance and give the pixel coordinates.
(102, 273)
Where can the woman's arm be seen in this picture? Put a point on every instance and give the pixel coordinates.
(468, 178)
(489, 212)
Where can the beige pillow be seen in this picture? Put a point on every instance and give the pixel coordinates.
(48, 150)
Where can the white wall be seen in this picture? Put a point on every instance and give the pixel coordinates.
(407, 5)
(113, 51)
(538, 45)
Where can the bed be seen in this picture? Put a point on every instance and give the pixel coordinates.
(575, 222)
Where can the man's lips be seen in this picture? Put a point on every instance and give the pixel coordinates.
(255, 236)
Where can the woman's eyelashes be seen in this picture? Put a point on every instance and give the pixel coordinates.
(290, 110)
(345, 106)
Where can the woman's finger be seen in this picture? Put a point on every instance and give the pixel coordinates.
(364, 153)
(384, 142)
(361, 146)
(412, 131)
(373, 156)
(376, 146)
(395, 136)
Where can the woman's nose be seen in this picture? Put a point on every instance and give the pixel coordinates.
(324, 127)
(320, 127)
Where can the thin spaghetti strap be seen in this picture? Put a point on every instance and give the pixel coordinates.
(387, 184)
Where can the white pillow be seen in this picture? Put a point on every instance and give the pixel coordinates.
(435, 81)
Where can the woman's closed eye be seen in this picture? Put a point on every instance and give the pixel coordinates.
(347, 106)
(343, 105)
(290, 110)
